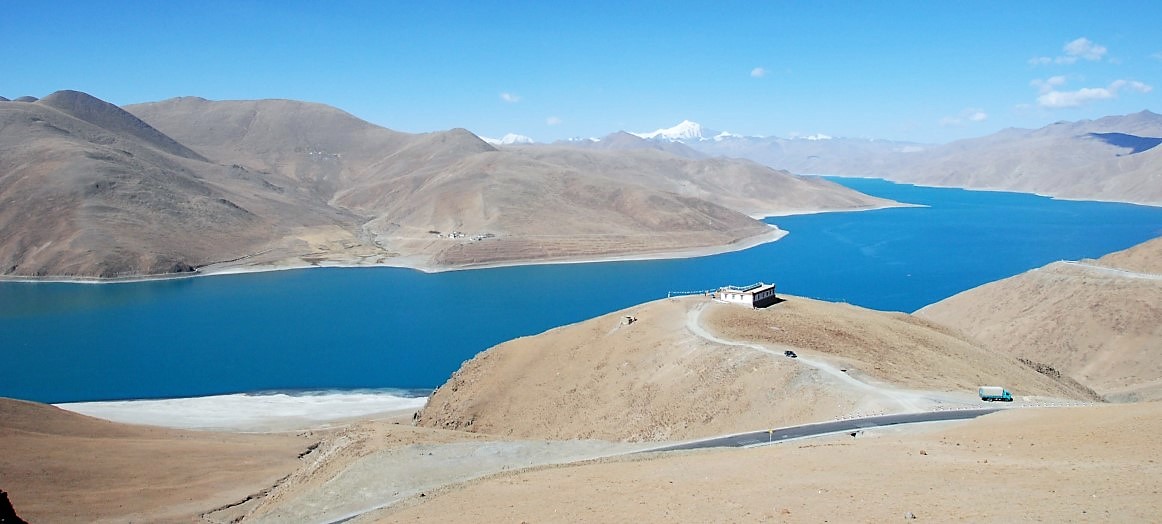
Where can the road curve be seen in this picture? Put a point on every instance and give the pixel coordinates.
(763, 437)
(813, 430)
(1113, 271)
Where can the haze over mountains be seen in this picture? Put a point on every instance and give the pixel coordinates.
(93, 190)
(1113, 158)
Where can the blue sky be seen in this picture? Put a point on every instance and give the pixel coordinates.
(928, 71)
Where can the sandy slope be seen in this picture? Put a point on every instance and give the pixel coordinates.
(1099, 322)
(1097, 464)
(63, 467)
(666, 376)
(893, 348)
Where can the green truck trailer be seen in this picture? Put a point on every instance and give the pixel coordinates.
(992, 393)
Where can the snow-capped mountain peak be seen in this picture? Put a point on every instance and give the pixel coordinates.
(686, 131)
(508, 140)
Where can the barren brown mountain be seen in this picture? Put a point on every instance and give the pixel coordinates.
(693, 367)
(92, 190)
(1097, 321)
(1112, 158)
(88, 189)
(508, 204)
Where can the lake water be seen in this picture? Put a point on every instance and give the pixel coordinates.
(395, 328)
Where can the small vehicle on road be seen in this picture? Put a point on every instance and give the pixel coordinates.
(994, 393)
(789, 353)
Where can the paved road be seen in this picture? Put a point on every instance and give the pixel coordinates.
(839, 426)
(779, 435)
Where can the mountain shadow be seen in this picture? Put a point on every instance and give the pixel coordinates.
(1136, 144)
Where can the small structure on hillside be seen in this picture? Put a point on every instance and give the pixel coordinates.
(755, 295)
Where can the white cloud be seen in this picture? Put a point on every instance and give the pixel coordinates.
(758, 72)
(510, 98)
(1132, 85)
(552, 121)
(1082, 48)
(1157, 56)
(968, 115)
(1054, 99)
(1047, 85)
(1085, 95)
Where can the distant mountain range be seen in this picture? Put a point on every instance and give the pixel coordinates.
(94, 190)
(508, 140)
(686, 131)
(1114, 158)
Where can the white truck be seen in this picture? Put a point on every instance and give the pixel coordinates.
(991, 393)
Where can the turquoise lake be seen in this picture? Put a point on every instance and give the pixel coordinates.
(396, 328)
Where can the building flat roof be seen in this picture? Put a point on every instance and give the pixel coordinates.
(750, 290)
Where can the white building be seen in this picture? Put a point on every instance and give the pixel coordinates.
(754, 295)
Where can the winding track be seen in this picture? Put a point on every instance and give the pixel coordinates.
(903, 399)
(1113, 271)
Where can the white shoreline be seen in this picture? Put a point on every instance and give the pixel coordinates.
(774, 234)
(777, 214)
(255, 412)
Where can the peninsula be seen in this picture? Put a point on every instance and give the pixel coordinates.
(187, 185)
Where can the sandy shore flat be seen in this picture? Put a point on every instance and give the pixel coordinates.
(422, 264)
(418, 263)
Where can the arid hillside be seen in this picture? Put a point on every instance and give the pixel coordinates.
(58, 466)
(497, 205)
(92, 190)
(1112, 158)
(88, 189)
(737, 184)
(1096, 321)
(692, 367)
